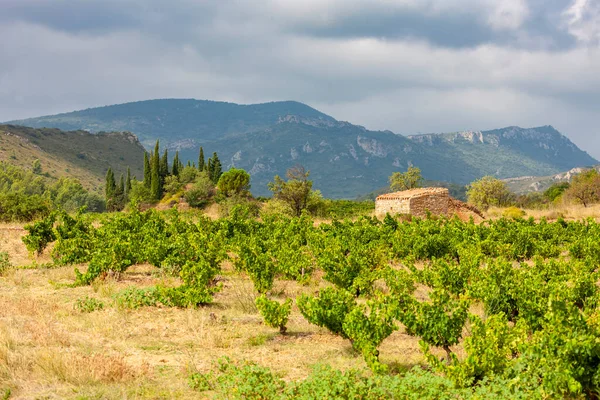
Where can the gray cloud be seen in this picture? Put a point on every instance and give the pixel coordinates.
(405, 65)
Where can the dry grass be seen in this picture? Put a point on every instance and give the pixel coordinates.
(568, 212)
(50, 350)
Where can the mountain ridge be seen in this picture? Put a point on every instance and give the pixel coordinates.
(345, 160)
(74, 154)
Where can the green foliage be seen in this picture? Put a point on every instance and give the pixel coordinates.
(438, 322)
(5, 263)
(274, 313)
(245, 380)
(328, 309)
(295, 192)
(214, 168)
(556, 190)
(410, 179)
(172, 185)
(155, 174)
(513, 213)
(134, 298)
(36, 167)
(147, 171)
(536, 284)
(488, 191)
(584, 188)
(88, 305)
(367, 330)
(39, 234)
(26, 197)
(234, 182)
(201, 192)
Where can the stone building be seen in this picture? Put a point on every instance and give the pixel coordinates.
(418, 202)
(414, 202)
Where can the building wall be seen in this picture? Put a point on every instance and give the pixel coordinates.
(435, 203)
(395, 206)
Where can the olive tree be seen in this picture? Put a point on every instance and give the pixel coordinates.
(489, 191)
(295, 192)
(406, 180)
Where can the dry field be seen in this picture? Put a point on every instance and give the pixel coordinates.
(568, 212)
(49, 350)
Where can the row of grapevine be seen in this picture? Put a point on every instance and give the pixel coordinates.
(536, 283)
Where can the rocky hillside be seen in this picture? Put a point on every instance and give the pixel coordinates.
(76, 154)
(527, 184)
(345, 160)
(511, 151)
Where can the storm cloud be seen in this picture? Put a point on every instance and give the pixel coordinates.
(409, 66)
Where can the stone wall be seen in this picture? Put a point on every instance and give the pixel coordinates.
(392, 206)
(435, 203)
(415, 202)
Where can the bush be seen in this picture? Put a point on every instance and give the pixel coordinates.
(249, 205)
(275, 314)
(134, 298)
(5, 263)
(275, 207)
(513, 213)
(201, 192)
(40, 234)
(88, 305)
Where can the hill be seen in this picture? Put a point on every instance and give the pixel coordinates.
(76, 154)
(345, 160)
(527, 184)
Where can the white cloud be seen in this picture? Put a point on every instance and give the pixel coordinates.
(245, 53)
(583, 20)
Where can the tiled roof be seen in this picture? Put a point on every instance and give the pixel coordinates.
(407, 194)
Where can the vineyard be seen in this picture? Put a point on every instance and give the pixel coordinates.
(502, 309)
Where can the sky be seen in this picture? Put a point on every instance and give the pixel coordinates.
(409, 66)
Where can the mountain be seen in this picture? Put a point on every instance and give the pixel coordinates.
(509, 152)
(345, 160)
(527, 184)
(75, 154)
(180, 122)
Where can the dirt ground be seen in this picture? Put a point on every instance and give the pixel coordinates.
(50, 350)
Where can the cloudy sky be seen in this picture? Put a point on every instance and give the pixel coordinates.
(411, 66)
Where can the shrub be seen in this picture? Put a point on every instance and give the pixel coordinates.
(40, 234)
(88, 305)
(513, 213)
(201, 192)
(5, 263)
(275, 314)
(134, 298)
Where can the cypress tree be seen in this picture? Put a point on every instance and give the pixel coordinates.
(189, 163)
(128, 184)
(209, 168)
(201, 164)
(156, 184)
(147, 171)
(109, 189)
(176, 165)
(216, 168)
(119, 198)
(164, 165)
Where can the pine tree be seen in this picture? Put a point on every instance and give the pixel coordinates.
(176, 165)
(147, 171)
(216, 172)
(155, 184)
(164, 165)
(201, 160)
